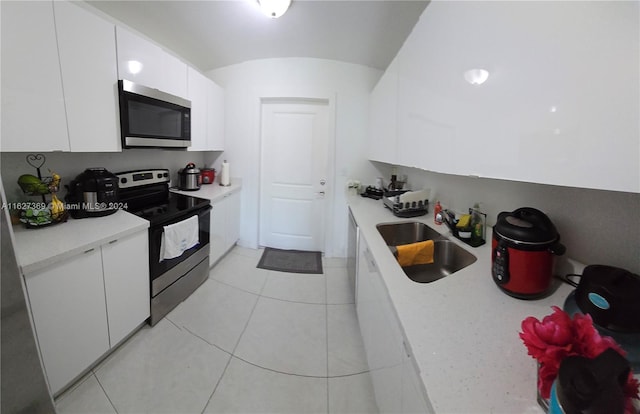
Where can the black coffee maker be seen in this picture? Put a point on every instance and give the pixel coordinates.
(93, 193)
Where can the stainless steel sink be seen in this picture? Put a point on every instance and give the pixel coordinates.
(448, 257)
(396, 234)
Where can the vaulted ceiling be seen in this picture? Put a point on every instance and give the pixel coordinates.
(216, 33)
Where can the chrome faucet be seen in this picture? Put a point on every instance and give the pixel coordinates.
(448, 218)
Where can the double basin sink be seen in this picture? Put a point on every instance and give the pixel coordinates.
(448, 257)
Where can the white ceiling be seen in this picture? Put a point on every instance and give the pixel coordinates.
(216, 33)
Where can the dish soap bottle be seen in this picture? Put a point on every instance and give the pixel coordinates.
(437, 218)
(477, 226)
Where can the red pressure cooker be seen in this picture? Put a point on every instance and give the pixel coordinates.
(208, 175)
(523, 247)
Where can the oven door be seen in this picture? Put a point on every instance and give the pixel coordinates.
(164, 273)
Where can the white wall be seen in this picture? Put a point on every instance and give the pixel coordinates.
(245, 83)
(596, 226)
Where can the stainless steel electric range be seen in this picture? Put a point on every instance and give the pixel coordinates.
(145, 193)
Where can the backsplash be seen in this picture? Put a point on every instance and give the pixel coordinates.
(596, 226)
(69, 165)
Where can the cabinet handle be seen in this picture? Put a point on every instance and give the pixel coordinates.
(89, 251)
(406, 349)
(113, 241)
(370, 262)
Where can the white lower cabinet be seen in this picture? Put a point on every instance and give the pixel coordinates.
(69, 313)
(225, 225)
(124, 263)
(397, 385)
(414, 395)
(85, 305)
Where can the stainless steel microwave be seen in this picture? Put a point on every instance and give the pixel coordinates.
(152, 118)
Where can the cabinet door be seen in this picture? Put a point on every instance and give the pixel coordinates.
(426, 127)
(217, 232)
(87, 50)
(68, 309)
(207, 113)
(139, 60)
(143, 62)
(174, 75)
(199, 96)
(414, 396)
(381, 333)
(215, 117)
(551, 107)
(383, 106)
(126, 280)
(33, 113)
(232, 231)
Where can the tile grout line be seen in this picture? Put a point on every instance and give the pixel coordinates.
(104, 391)
(326, 323)
(231, 355)
(224, 371)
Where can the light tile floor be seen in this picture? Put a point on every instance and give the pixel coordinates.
(248, 340)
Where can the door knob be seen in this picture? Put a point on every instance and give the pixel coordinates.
(323, 182)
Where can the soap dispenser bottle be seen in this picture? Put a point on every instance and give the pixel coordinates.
(437, 217)
(477, 225)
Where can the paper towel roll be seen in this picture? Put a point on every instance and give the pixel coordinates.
(224, 174)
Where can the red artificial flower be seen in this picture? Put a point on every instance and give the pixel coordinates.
(546, 376)
(557, 336)
(587, 340)
(550, 340)
(631, 387)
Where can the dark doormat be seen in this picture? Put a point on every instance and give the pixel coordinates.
(292, 261)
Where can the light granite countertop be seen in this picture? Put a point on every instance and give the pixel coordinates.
(214, 191)
(462, 330)
(39, 248)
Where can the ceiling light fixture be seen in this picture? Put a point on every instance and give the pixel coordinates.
(274, 8)
(476, 76)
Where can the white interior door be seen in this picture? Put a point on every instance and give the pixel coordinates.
(295, 142)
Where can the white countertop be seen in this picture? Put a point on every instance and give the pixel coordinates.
(462, 330)
(214, 191)
(39, 248)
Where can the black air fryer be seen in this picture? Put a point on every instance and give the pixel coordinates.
(611, 296)
(93, 193)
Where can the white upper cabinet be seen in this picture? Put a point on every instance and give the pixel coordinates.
(87, 49)
(33, 113)
(382, 117)
(560, 105)
(143, 62)
(215, 125)
(207, 113)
